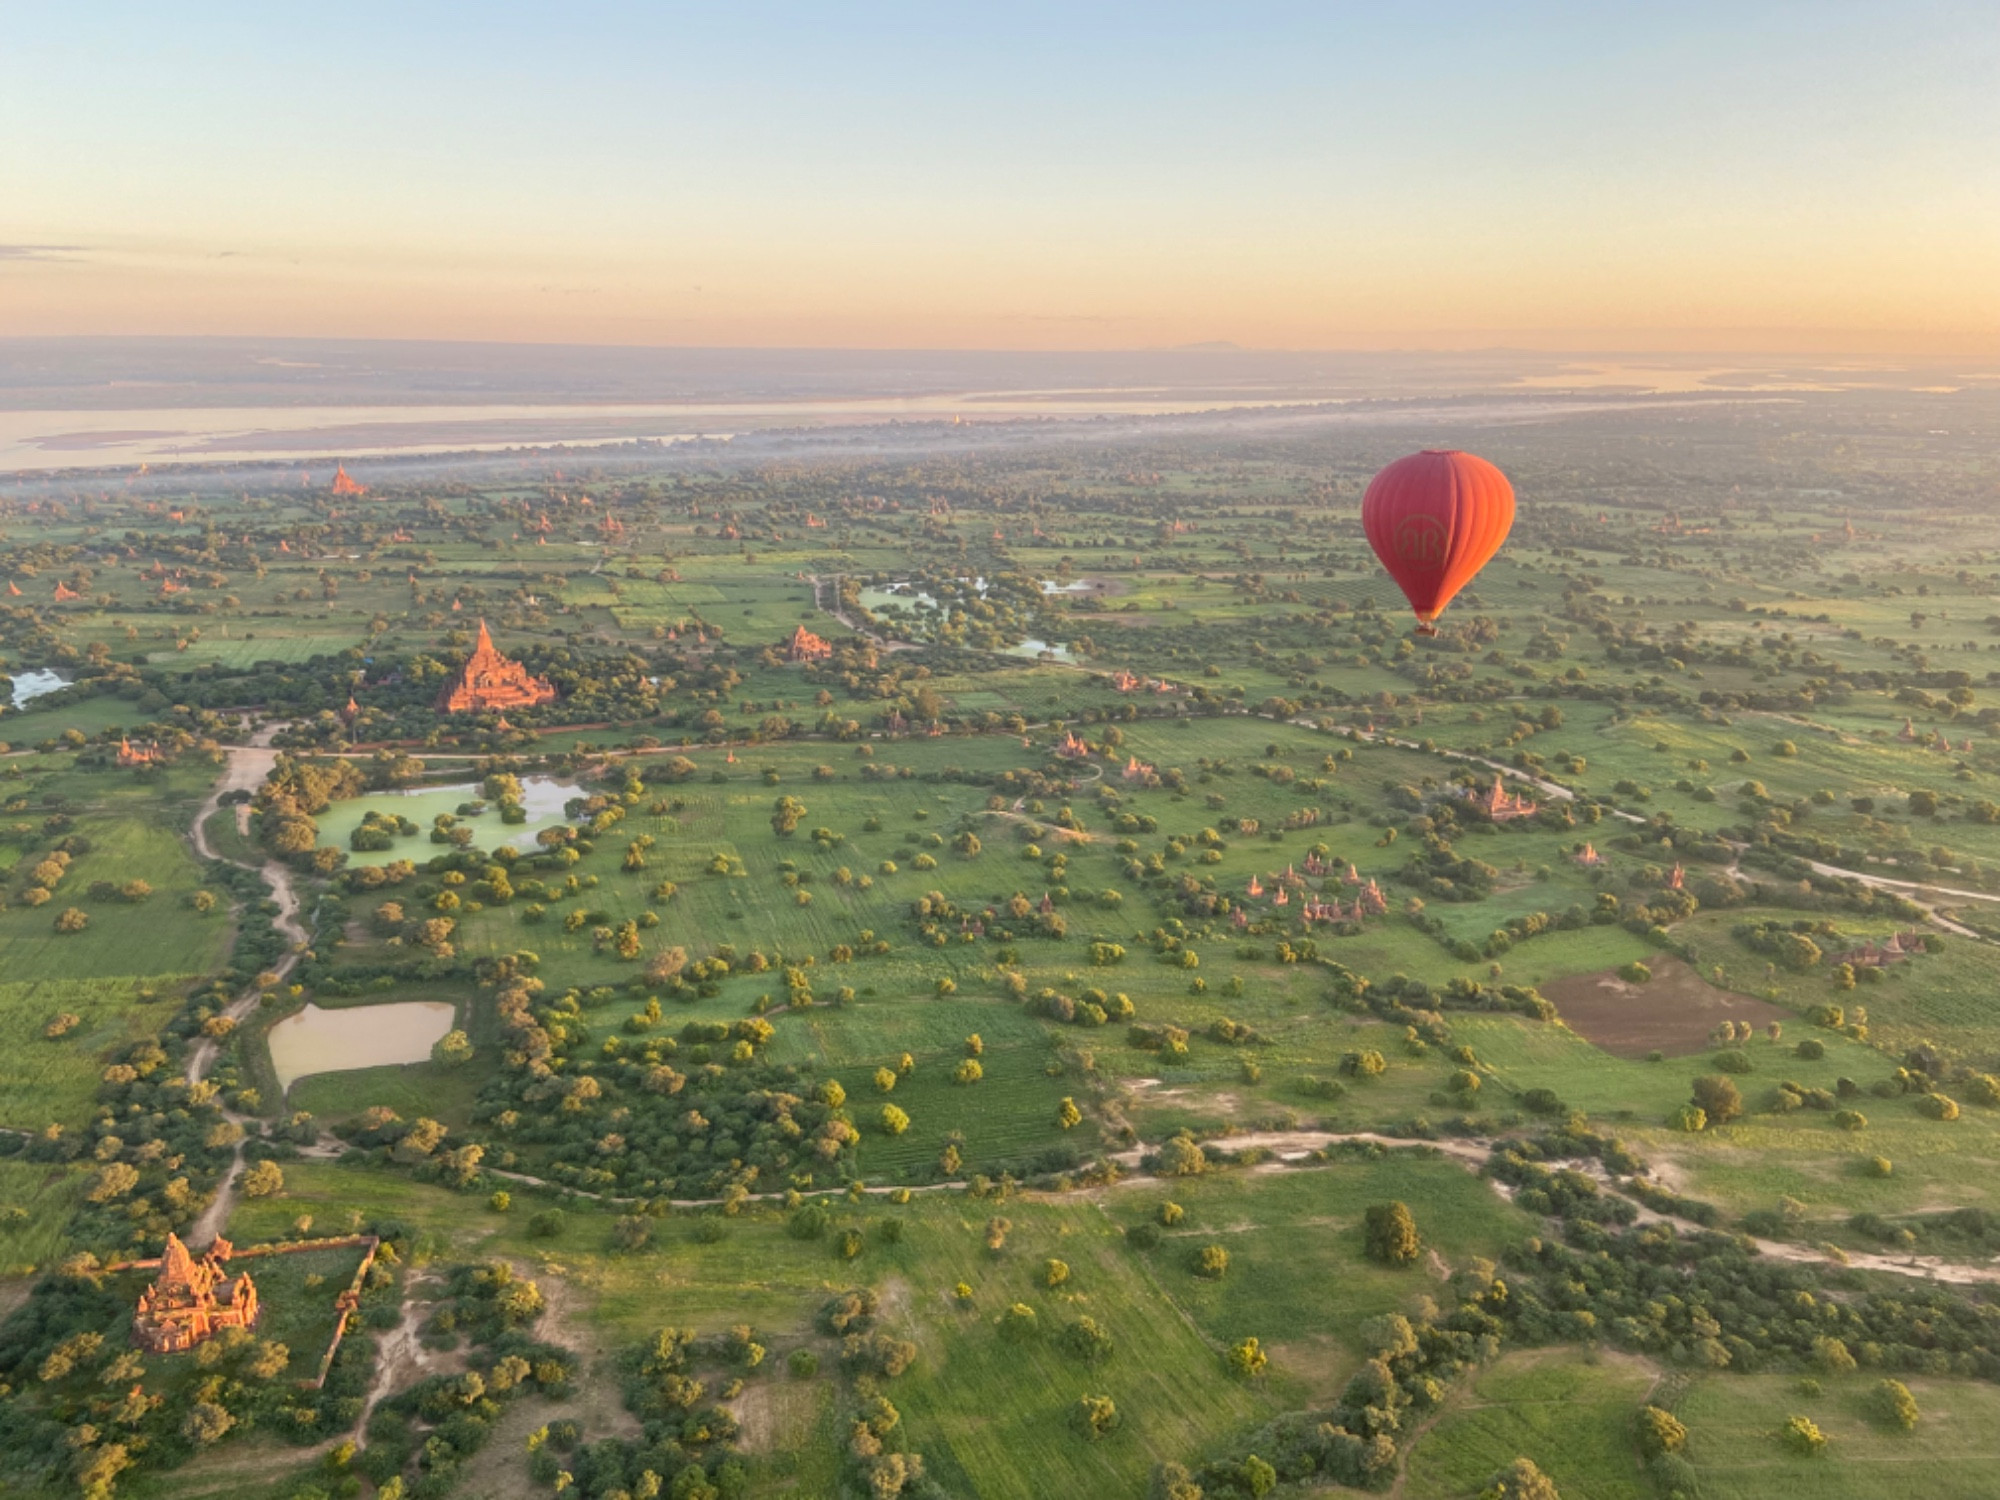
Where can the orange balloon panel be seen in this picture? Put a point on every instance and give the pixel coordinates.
(1435, 519)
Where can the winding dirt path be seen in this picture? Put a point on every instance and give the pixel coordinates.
(1473, 1153)
(247, 769)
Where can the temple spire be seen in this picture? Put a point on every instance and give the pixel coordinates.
(176, 1265)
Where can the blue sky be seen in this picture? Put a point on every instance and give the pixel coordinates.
(1017, 175)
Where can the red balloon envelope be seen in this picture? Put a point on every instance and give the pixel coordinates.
(1434, 519)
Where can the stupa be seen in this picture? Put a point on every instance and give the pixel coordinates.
(489, 680)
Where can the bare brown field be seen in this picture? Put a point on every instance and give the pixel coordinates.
(1674, 1012)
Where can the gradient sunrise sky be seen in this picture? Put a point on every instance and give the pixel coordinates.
(1816, 176)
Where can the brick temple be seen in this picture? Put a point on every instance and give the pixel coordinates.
(805, 646)
(192, 1300)
(489, 680)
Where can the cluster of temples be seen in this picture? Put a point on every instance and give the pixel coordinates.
(489, 680)
(1873, 955)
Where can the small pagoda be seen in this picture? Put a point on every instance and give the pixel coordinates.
(192, 1300)
(343, 485)
(489, 680)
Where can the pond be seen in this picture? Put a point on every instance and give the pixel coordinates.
(907, 594)
(542, 796)
(365, 1036)
(1036, 650)
(29, 686)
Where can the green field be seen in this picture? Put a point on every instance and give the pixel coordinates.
(1696, 658)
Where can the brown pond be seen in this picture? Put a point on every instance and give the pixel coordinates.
(1674, 1012)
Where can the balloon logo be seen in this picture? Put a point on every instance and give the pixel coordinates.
(1435, 519)
(1422, 541)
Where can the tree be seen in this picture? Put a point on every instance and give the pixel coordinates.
(269, 1362)
(1896, 1405)
(1211, 1262)
(263, 1180)
(1181, 1157)
(894, 1121)
(1391, 1234)
(1717, 1098)
(97, 1469)
(785, 815)
(1660, 1432)
(114, 1180)
(1095, 1416)
(1520, 1480)
(1257, 1477)
(1067, 1114)
(1018, 1323)
(72, 919)
(548, 1224)
(1088, 1340)
(1802, 1435)
(453, 1049)
(1246, 1358)
(206, 1423)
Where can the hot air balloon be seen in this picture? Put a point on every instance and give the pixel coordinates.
(1435, 519)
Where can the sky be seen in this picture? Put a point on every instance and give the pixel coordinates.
(1798, 177)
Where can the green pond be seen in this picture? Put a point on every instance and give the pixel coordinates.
(542, 796)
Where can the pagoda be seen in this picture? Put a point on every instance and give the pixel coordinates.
(342, 485)
(489, 680)
(1502, 808)
(807, 647)
(192, 1300)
